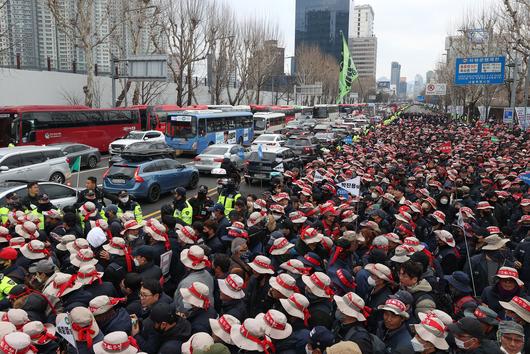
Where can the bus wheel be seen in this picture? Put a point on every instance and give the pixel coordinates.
(210, 143)
(57, 177)
(92, 162)
(153, 194)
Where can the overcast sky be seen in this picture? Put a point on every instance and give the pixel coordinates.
(411, 32)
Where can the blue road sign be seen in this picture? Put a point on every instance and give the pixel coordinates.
(480, 71)
(507, 118)
(348, 140)
(420, 98)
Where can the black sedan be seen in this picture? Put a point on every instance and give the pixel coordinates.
(90, 156)
(144, 151)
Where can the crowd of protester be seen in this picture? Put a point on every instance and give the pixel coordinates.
(432, 256)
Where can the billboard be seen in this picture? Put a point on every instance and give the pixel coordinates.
(480, 71)
(435, 89)
(383, 85)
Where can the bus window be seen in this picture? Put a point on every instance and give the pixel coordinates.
(28, 134)
(183, 127)
(202, 127)
(153, 119)
(143, 119)
(15, 131)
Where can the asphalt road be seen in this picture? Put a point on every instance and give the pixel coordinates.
(153, 210)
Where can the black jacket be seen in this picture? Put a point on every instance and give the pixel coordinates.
(236, 308)
(105, 288)
(199, 319)
(171, 341)
(121, 321)
(321, 311)
(354, 332)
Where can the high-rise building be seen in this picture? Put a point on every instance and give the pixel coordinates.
(429, 77)
(362, 22)
(363, 47)
(319, 22)
(395, 72)
(418, 84)
(22, 31)
(402, 87)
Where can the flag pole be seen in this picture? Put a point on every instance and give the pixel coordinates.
(462, 225)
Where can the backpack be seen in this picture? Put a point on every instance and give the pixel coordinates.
(378, 346)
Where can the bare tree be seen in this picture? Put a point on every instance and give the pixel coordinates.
(88, 30)
(186, 25)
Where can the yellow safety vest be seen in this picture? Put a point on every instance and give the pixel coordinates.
(6, 284)
(137, 213)
(186, 214)
(228, 202)
(4, 212)
(40, 216)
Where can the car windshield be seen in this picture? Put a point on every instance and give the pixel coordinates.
(135, 135)
(298, 142)
(265, 138)
(268, 156)
(122, 171)
(215, 150)
(259, 123)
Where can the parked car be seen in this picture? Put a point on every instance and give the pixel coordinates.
(213, 155)
(142, 151)
(90, 156)
(267, 166)
(307, 147)
(149, 179)
(33, 163)
(326, 138)
(117, 146)
(268, 140)
(60, 195)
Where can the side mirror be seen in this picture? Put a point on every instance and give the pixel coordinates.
(4, 168)
(219, 171)
(145, 138)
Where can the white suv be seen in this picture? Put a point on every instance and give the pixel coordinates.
(33, 163)
(117, 146)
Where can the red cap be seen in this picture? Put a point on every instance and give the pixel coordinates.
(8, 253)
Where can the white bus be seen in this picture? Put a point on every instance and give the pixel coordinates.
(268, 122)
(326, 111)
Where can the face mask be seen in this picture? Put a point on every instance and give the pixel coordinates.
(245, 256)
(124, 200)
(444, 200)
(460, 343)
(416, 345)
(307, 350)
(136, 262)
(371, 281)
(276, 216)
(132, 237)
(375, 195)
(425, 206)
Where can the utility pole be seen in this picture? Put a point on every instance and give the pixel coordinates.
(514, 87)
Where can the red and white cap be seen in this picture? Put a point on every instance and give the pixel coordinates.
(431, 329)
(484, 205)
(297, 217)
(255, 218)
(280, 196)
(467, 212)
(101, 223)
(116, 246)
(519, 305)
(404, 217)
(250, 336)
(28, 230)
(280, 246)
(156, 230)
(319, 284)
(194, 258)
(18, 317)
(76, 245)
(392, 237)
(295, 266)
(284, 284)
(311, 235)
(103, 303)
(277, 208)
(131, 225)
(117, 342)
(35, 249)
(62, 284)
(88, 209)
(348, 216)
(396, 307)
(414, 243)
(260, 204)
(187, 235)
(88, 274)
(525, 202)
(196, 295)
(509, 273)
(297, 305)
(232, 286)
(379, 270)
(40, 333)
(83, 257)
(439, 216)
(198, 341)
(222, 326)
(261, 265)
(401, 254)
(17, 343)
(276, 326)
(352, 305)
(446, 237)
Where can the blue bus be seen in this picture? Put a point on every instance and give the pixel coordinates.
(193, 131)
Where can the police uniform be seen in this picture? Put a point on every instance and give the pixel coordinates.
(228, 201)
(6, 284)
(186, 214)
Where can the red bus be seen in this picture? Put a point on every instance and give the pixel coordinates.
(155, 117)
(43, 125)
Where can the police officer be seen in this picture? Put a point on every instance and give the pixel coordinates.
(125, 203)
(183, 210)
(228, 196)
(8, 270)
(31, 200)
(11, 200)
(91, 185)
(200, 204)
(43, 205)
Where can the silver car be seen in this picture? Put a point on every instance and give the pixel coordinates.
(33, 163)
(213, 155)
(60, 195)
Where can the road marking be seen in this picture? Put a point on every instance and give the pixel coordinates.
(152, 214)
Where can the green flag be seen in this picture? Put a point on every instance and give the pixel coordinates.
(77, 165)
(348, 72)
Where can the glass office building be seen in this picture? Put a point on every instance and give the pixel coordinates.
(319, 22)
